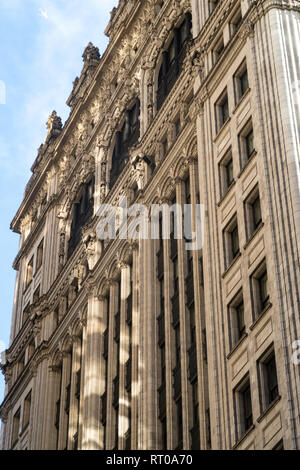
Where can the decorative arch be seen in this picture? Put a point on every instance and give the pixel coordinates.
(169, 63)
(125, 137)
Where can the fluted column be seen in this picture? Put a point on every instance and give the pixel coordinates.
(199, 315)
(124, 348)
(93, 375)
(52, 392)
(73, 418)
(63, 418)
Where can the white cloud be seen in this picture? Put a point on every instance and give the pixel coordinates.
(56, 61)
(43, 13)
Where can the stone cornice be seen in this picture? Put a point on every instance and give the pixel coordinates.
(104, 62)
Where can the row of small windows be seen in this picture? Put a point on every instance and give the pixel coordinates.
(172, 60)
(176, 341)
(260, 299)
(241, 86)
(18, 426)
(233, 24)
(253, 219)
(34, 264)
(268, 392)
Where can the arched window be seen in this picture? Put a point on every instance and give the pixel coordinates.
(172, 60)
(82, 214)
(125, 138)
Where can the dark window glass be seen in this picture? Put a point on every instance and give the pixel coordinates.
(172, 60)
(263, 290)
(249, 141)
(234, 234)
(240, 319)
(224, 111)
(244, 85)
(256, 212)
(271, 379)
(247, 407)
(229, 172)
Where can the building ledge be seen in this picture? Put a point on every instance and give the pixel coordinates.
(258, 229)
(222, 129)
(237, 345)
(250, 159)
(261, 315)
(269, 408)
(244, 436)
(242, 99)
(231, 264)
(232, 184)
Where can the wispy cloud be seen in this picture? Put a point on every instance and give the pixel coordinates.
(43, 13)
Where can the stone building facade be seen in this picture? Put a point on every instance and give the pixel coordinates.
(142, 344)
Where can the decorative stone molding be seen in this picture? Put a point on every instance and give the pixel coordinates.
(54, 127)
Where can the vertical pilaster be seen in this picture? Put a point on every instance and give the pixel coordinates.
(63, 418)
(93, 375)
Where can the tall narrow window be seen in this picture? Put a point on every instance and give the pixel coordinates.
(231, 241)
(243, 404)
(226, 172)
(29, 272)
(241, 82)
(222, 111)
(268, 378)
(253, 213)
(16, 427)
(236, 319)
(246, 142)
(39, 257)
(26, 411)
(125, 138)
(260, 289)
(82, 213)
(172, 60)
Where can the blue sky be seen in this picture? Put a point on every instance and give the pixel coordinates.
(41, 44)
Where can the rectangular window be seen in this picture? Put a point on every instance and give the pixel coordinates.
(249, 144)
(29, 272)
(231, 241)
(243, 405)
(226, 172)
(235, 21)
(236, 319)
(39, 256)
(260, 289)
(253, 212)
(221, 110)
(247, 406)
(268, 378)
(16, 427)
(241, 82)
(246, 143)
(26, 412)
(218, 49)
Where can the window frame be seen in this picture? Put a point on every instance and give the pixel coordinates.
(220, 118)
